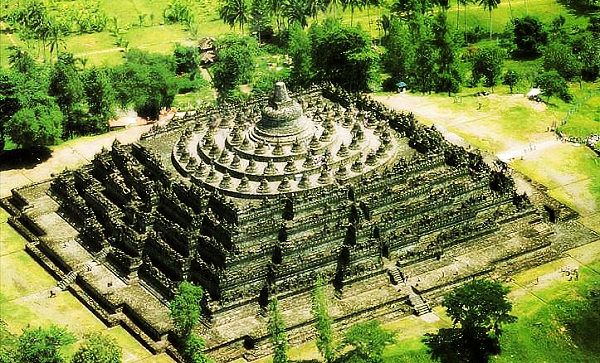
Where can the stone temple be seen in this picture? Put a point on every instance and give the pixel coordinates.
(256, 200)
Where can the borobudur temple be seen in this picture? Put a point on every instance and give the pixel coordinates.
(256, 200)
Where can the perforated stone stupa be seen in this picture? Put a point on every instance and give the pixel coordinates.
(257, 200)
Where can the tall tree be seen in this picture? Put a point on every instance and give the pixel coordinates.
(587, 50)
(9, 101)
(145, 82)
(260, 15)
(367, 341)
(278, 333)
(530, 35)
(478, 310)
(553, 84)
(235, 63)
(67, 88)
(479, 304)
(100, 96)
(235, 12)
(449, 77)
(43, 345)
(560, 57)
(489, 5)
(487, 64)
(339, 51)
(323, 322)
(299, 49)
(185, 310)
(98, 348)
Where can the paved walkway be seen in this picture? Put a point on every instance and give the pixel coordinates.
(70, 154)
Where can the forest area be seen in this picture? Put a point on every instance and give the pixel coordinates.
(52, 91)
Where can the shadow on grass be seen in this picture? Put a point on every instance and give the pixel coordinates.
(582, 319)
(23, 158)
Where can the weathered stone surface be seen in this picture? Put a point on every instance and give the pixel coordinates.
(380, 206)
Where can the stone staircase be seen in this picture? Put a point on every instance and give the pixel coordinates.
(395, 275)
(67, 280)
(421, 306)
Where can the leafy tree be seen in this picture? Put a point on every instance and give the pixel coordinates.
(98, 348)
(342, 55)
(100, 96)
(489, 5)
(20, 60)
(424, 64)
(478, 310)
(235, 63)
(278, 333)
(299, 49)
(487, 64)
(43, 345)
(560, 57)
(323, 322)
(511, 78)
(145, 82)
(448, 345)
(235, 12)
(479, 304)
(587, 50)
(400, 53)
(449, 78)
(185, 309)
(530, 36)
(368, 341)
(187, 59)
(36, 126)
(67, 88)
(553, 84)
(297, 12)
(260, 15)
(193, 350)
(9, 99)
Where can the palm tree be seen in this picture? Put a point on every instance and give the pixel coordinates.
(235, 11)
(489, 5)
(352, 4)
(297, 11)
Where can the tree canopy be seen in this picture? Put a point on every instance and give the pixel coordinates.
(479, 304)
(367, 341)
(98, 348)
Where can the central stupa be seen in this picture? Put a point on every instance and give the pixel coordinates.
(283, 146)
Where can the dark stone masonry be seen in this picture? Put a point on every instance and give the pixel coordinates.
(253, 201)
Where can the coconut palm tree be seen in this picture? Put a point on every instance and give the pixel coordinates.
(235, 12)
(489, 5)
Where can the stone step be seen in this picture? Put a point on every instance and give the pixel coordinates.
(67, 280)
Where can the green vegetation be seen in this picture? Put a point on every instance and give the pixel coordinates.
(185, 310)
(424, 44)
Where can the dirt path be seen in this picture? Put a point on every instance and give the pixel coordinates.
(70, 155)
